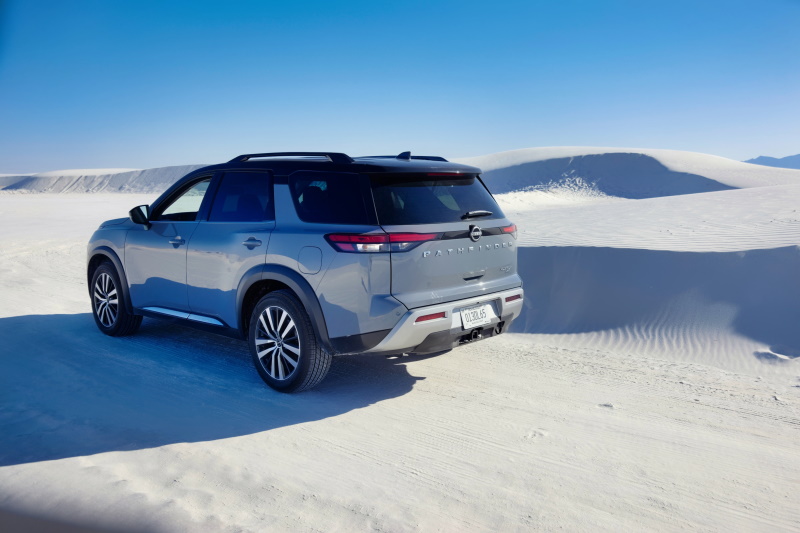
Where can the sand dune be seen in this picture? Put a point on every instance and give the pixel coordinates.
(96, 180)
(631, 172)
(623, 172)
(652, 382)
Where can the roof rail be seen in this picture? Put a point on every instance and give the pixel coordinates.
(333, 157)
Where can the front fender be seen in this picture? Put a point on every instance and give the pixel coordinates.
(112, 256)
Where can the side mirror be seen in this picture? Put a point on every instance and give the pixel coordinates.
(140, 215)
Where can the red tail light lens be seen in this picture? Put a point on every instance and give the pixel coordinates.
(403, 242)
(512, 229)
(378, 242)
(359, 243)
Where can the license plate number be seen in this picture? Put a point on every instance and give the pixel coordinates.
(473, 317)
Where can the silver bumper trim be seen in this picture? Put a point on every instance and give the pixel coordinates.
(408, 333)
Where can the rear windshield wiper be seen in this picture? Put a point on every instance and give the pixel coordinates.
(478, 213)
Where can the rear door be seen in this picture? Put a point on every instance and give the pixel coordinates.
(232, 241)
(450, 238)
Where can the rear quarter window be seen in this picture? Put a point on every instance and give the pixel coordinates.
(421, 199)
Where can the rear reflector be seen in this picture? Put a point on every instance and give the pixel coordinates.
(425, 318)
(512, 298)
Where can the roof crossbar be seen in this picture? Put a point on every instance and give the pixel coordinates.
(333, 157)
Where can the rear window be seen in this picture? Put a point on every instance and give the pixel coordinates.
(329, 197)
(404, 199)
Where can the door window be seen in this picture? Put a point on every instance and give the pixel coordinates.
(186, 206)
(243, 197)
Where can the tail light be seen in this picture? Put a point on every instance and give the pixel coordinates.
(511, 230)
(378, 242)
(359, 243)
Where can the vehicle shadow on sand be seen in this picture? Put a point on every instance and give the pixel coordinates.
(66, 390)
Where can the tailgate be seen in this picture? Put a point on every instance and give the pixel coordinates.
(467, 248)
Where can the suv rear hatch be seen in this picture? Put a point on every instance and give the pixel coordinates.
(451, 239)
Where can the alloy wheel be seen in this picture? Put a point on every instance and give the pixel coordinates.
(106, 300)
(277, 343)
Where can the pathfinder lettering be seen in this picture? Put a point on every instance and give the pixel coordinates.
(481, 248)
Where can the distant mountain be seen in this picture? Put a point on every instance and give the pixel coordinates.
(791, 161)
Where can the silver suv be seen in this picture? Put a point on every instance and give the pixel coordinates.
(308, 255)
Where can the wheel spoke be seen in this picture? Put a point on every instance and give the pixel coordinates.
(291, 348)
(266, 351)
(264, 327)
(289, 326)
(288, 359)
(281, 373)
(271, 329)
(264, 341)
(280, 322)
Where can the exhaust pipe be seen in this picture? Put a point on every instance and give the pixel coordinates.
(475, 334)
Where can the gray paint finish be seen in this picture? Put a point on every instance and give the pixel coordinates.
(200, 270)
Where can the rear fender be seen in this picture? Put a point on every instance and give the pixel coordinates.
(298, 285)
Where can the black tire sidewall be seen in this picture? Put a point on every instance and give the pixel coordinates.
(308, 341)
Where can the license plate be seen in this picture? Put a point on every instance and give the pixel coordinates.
(473, 317)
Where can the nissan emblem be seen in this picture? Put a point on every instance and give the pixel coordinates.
(475, 233)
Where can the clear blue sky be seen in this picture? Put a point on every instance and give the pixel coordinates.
(86, 84)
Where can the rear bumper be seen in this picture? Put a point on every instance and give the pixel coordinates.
(410, 336)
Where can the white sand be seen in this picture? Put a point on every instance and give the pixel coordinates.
(652, 384)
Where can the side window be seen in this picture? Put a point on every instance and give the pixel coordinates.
(243, 197)
(330, 198)
(187, 204)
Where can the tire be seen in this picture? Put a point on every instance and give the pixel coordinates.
(285, 350)
(108, 304)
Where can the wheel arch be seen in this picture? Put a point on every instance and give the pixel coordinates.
(269, 278)
(103, 254)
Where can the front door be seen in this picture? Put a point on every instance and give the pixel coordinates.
(155, 258)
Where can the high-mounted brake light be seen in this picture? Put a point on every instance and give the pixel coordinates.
(451, 174)
(378, 242)
(512, 229)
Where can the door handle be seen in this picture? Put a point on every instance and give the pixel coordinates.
(177, 241)
(251, 243)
